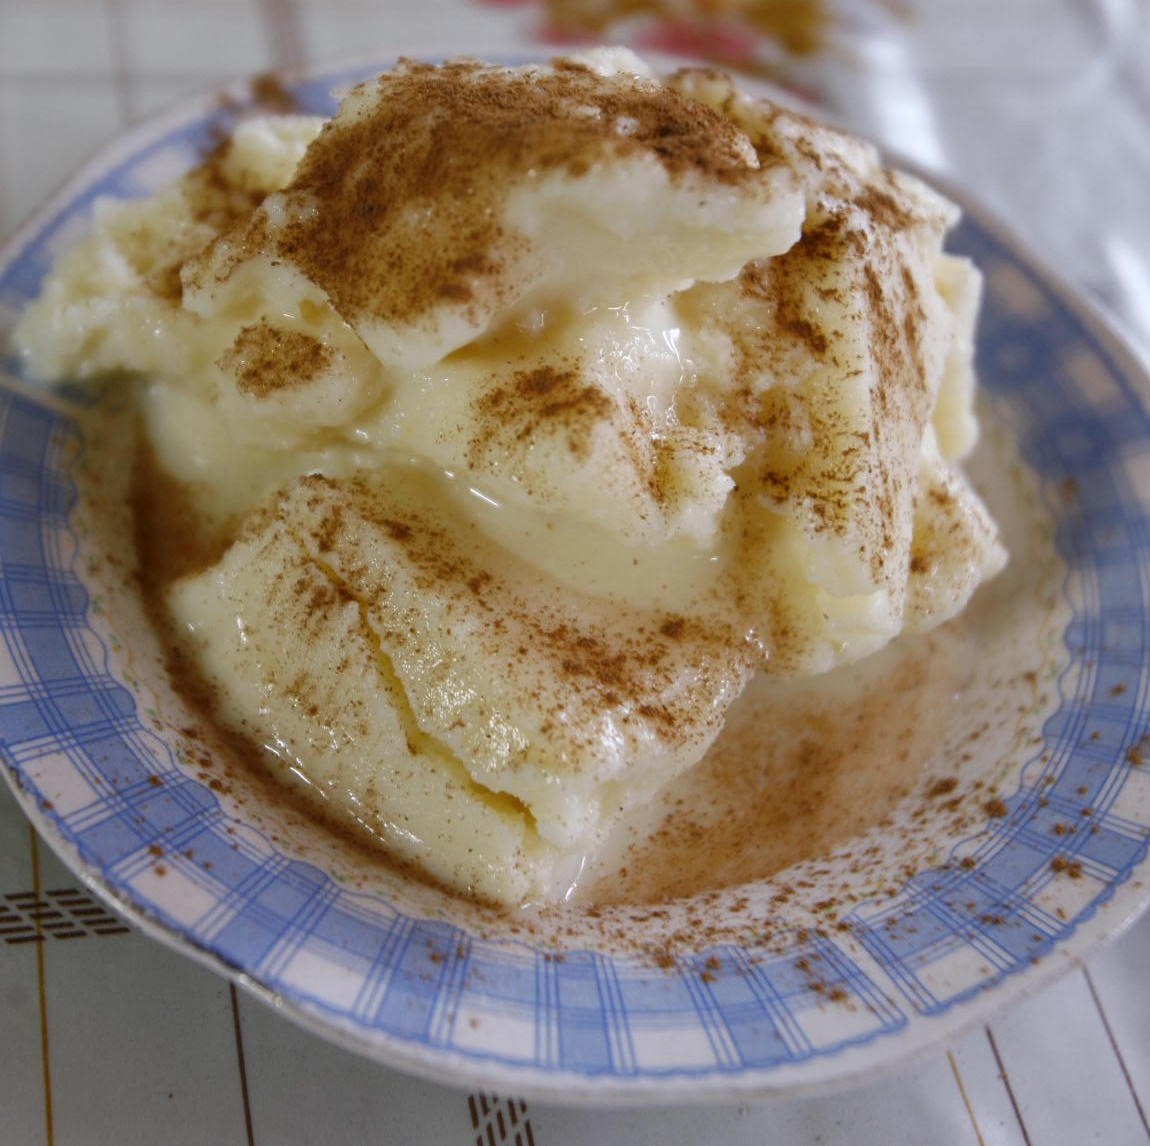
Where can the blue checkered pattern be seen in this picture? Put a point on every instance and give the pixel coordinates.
(71, 734)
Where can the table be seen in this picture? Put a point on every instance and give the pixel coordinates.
(1045, 112)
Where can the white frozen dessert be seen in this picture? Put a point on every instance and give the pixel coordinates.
(535, 410)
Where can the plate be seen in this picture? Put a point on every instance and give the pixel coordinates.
(1049, 860)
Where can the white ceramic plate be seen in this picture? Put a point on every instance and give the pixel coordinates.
(931, 925)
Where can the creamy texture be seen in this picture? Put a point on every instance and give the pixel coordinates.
(533, 412)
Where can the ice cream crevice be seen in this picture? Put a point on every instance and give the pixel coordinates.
(419, 741)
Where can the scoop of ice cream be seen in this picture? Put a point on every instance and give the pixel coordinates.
(395, 652)
(542, 406)
(441, 201)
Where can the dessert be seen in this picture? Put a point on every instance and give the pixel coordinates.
(528, 413)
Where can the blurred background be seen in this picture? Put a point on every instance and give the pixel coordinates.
(1041, 107)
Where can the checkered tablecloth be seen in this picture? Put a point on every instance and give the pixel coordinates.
(109, 1037)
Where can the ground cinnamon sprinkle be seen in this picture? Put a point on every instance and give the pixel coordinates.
(379, 242)
(464, 134)
(623, 666)
(266, 358)
(942, 787)
(217, 204)
(1062, 865)
(544, 401)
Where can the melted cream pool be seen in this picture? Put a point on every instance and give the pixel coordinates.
(800, 767)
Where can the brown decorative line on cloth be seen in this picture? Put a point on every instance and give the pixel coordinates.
(499, 1121)
(59, 913)
(283, 33)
